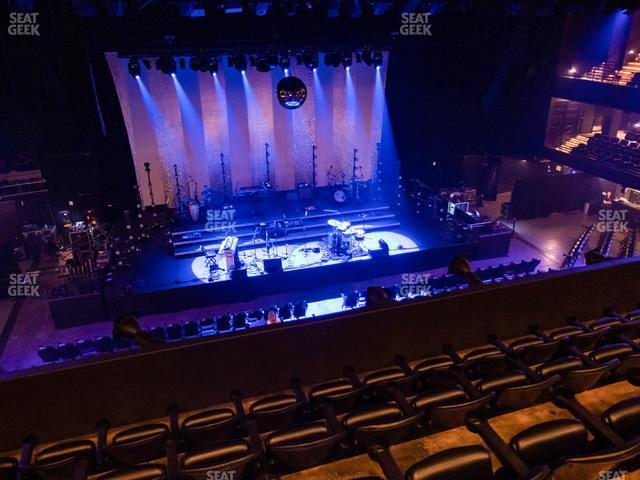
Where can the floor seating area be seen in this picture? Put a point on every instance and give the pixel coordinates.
(578, 247)
(613, 152)
(364, 413)
(243, 320)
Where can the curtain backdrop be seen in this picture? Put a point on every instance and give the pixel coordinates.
(190, 119)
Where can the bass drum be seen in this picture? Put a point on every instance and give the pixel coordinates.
(340, 196)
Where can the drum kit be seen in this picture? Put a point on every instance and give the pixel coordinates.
(344, 240)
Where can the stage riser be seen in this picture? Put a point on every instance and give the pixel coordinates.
(322, 215)
(244, 232)
(323, 231)
(198, 374)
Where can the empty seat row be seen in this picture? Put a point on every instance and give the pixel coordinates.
(295, 430)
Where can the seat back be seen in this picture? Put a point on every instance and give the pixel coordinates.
(451, 416)
(209, 427)
(624, 417)
(577, 381)
(614, 463)
(275, 412)
(146, 472)
(539, 353)
(59, 461)
(138, 445)
(523, 396)
(463, 463)
(233, 457)
(387, 433)
(8, 468)
(548, 442)
(303, 446)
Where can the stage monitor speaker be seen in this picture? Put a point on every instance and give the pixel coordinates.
(305, 191)
(272, 265)
(238, 274)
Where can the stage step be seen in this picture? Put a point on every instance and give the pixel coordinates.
(313, 221)
(369, 224)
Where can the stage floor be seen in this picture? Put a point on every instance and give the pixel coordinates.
(158, 271)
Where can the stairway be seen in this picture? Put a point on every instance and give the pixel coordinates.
(573, 142)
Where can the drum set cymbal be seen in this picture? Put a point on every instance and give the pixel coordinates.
(345, 239)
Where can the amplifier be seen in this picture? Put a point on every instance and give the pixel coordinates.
(238, 274)
(272, 265)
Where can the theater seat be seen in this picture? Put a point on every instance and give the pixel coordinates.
(624, 418)
(602, 464)
(147, 472)
(231, 456)
(575, 377)
(513, 394)
(275, 412)
(59, 461)
(462, 463)
(303, 446)
(438, 396)
(438, 362)
(340, 393)
(548, 442)
(208, 427)
(138, 444)
(454, 415)
(395, 377)
(8, 467)
(384, 423)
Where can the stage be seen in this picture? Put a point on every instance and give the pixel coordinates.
(165, 281)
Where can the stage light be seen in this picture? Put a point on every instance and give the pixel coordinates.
(166, 64)
(631, 52)
(134, 67)
(285, 62)
(310, 60)
(240, 62)
(261, 63)
(572, 71)
(347, 60)
(212, 65)
(377, 58)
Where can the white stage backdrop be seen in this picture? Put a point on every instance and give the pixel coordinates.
(190, 119)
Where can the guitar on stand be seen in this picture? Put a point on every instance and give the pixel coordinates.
(194, 202)
(180, 206)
